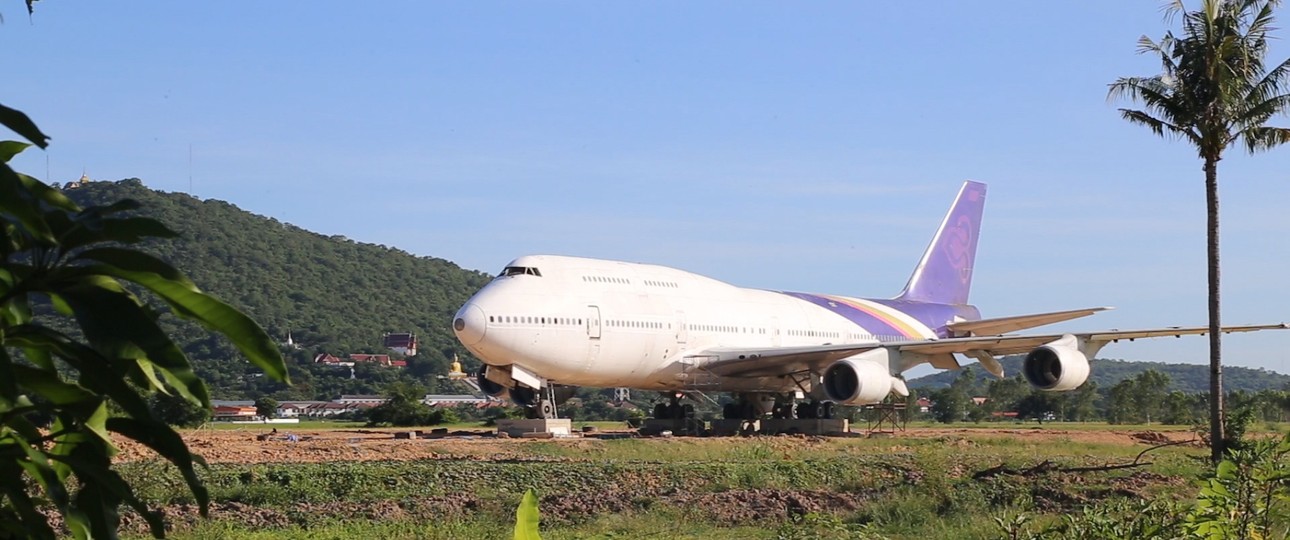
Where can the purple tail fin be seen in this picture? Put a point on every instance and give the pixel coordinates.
(944, 275)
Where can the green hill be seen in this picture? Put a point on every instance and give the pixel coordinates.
(1186, 377)
(338, 296)
(332, 294)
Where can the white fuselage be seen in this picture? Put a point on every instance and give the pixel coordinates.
(590, 322)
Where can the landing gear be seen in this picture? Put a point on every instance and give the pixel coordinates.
(738, 411)
(538, 404)
(673, 409)
(815, 409)
(744, 409)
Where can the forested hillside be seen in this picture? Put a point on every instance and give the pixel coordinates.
(338, 296)
(1189, 378)
(332, 294)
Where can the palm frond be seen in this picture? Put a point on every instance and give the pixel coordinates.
(1171, 9)
(1214, 87)
(1275, 81)
(1264, 138)
(1162, 49)
(1261, 23)
(1158, 126)
(1155, 94)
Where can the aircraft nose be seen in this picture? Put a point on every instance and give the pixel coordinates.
(470, 324)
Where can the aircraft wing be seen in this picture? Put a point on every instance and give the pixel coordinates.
(776, 361)
(989, 327)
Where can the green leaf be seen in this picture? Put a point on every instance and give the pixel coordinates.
(14, 486)
(163, 440)
(18, 311)
(22, 125)
(8, 388)
(187, 302)
(47, 194)
(526, 518)
(15, 200)
(150, 373)
(40, 357)
(1226, 470)
(97, 424)
(96, 370)
(50, 386)
(9, 149)
(86, 231)
(118, 326)
(59, 304)
(136, 261)
(103, 478)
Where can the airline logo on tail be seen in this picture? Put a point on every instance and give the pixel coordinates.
(944, 275)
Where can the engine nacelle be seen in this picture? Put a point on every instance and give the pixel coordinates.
(524, 396)
(859, 380)
(489, 387)
(1057, 366)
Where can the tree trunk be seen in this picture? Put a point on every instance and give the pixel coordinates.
(1218, 444)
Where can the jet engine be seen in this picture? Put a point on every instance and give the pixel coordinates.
(524, 396)
(861, 380)
(1056, 366)
(489, 387)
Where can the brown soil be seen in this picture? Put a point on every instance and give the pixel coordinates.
(736, 506)
(730, 507)
(244, 446)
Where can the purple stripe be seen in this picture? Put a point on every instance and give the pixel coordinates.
(865, 321)
(934, 316)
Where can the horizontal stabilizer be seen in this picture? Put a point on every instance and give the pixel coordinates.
(989, 327)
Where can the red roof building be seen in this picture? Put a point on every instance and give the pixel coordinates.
(378, 359)
(404, 344)
(234, 412)
(331, 360)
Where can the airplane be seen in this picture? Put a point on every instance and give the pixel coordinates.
(547, 324)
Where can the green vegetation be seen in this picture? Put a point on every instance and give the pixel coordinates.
(83, 374)
(1143, 398)
(1187, 378)
(332, 295)
(338, 296)
(405, 408)
(1214, 91)
(773, 487)
(1247, 496)
(526, 518)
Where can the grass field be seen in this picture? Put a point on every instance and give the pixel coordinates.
(927, 482)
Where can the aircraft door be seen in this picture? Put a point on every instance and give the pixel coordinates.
(682, 332)
(774, 331)
(593, 322)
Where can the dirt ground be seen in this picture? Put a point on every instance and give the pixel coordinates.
(246, 446)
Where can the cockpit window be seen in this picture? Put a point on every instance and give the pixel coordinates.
(520, 270)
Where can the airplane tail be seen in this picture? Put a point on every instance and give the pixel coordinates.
(944, 275)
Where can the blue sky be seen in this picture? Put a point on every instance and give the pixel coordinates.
(810, 147)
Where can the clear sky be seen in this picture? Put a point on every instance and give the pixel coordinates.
(790, 146)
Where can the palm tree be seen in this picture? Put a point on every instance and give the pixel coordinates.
(1213, 92)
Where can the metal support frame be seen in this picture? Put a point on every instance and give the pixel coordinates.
(886, 417)
(550, 397)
